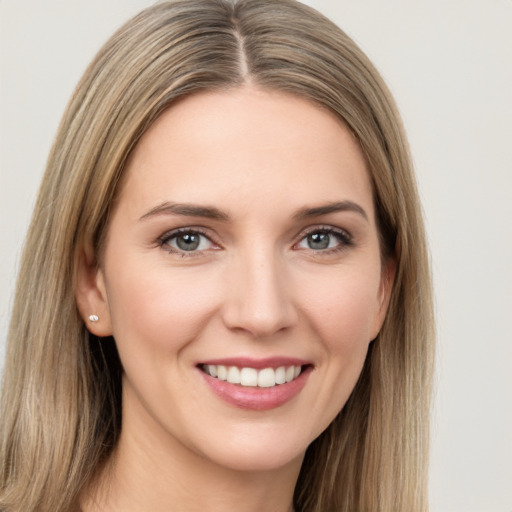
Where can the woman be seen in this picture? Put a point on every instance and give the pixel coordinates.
(224, 299)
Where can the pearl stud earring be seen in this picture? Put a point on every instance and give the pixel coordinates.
(93, 318)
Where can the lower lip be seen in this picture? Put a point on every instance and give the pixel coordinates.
(255, 398)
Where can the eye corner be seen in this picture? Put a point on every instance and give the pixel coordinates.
(329, 239)
(188, 242)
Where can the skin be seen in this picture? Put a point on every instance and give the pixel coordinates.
(254, 288)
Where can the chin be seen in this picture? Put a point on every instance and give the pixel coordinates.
(262, 458)
(258, 448)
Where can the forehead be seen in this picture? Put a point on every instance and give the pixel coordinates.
(247, 146)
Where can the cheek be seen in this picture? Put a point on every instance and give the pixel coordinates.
(344, 309)
(158, 307)
(341, 311)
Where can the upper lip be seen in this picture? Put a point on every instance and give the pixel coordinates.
(258, 364)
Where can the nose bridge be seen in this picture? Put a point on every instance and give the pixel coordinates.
(259, 300)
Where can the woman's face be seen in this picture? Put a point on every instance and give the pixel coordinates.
(242, 250)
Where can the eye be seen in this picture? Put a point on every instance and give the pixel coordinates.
(325, 239)
(186, 241)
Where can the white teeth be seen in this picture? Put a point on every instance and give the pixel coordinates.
(266, 378)
(280, 375)
(250, 377)
(233, 375)
(222, 372)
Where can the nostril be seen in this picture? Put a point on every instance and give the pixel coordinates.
(260, 320)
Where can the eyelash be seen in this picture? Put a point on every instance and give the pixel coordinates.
(344, 239)
(164, 240)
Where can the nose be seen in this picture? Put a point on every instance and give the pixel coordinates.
(259, 298)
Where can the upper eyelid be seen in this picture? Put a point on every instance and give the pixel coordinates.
(163, 242)
(164, 239)
(214, 239)
(192, 229)
(323, 227)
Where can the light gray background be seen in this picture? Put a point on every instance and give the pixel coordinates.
(449, 65)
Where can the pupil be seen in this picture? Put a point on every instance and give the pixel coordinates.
(318, 240)
(188, 242)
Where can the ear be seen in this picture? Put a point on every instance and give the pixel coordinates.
(387, 279)
(91, 294)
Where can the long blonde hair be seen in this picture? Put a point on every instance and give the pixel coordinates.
(60, 403)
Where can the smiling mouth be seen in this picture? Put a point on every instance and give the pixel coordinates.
(252, 377)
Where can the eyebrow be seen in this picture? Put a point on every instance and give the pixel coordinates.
(339, 206)
(186, 210)
(210, 212)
